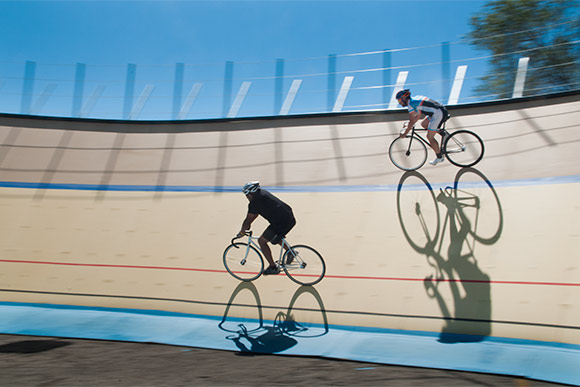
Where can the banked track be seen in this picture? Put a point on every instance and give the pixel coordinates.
(115, 230)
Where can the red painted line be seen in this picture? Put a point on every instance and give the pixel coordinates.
(112, 266)
(326, 276)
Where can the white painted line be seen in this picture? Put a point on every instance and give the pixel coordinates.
(400, 84)
(457, 85)
(290, 97)
(520, 77)
(43, 98)
(186, 108)
(342, 94)
(145, 94)
(239, 100)
(92, 100)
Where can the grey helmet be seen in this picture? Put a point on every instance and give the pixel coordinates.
(251, 187)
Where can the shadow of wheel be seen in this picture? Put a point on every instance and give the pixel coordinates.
(418, 211)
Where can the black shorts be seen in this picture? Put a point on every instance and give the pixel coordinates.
(275, 232)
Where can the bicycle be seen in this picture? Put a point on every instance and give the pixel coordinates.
(462, 148)
(244, 261)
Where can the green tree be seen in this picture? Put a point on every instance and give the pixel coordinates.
(546, 31)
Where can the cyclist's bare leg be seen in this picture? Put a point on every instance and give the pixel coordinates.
(263, 242)
(431, 137)
(433, 142)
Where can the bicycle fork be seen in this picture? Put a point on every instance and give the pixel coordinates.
(243, 261)
(408, 152)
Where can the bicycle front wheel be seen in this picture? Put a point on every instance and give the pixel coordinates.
(307, 267)
(243, 261)
(479, 205)
(408, 153)
(463, 148)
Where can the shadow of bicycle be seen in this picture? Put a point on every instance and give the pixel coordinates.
(447, 226)
(253, 335)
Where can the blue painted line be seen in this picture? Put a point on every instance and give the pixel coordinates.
(104, 309)
(237, 320)
(554, 362)
(291, 189)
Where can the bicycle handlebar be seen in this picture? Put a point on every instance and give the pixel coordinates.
(246, 233)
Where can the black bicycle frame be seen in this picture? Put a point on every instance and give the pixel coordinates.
(441, 131)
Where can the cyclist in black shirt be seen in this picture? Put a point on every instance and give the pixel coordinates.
(275, 211)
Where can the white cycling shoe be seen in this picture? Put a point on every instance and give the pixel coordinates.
(437, 161)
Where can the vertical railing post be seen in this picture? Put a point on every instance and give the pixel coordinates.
(78, 90)
(129, 90)
(445, 70)
(279, 87)
(28, 87)
(386, 75)
(331, 81)
(177, 89)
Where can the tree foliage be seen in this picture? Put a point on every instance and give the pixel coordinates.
(546, 31)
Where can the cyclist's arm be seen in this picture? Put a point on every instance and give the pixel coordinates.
(247, 222)
(413, 118)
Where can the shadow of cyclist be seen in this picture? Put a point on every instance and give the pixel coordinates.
(468, 319)
(253, 336)
(271, 340)
(469, 285)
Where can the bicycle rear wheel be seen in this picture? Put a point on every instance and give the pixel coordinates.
(463, 148)
(408, 153)
(243, 262)
(307, 267)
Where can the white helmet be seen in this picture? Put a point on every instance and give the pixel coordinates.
(251, 187)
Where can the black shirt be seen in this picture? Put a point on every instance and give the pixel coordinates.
(270, 207)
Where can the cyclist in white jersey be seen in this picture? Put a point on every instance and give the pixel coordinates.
(435, 113)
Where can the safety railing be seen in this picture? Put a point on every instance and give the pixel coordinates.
(363, 81)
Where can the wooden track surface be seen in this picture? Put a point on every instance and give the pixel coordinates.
(139, 219)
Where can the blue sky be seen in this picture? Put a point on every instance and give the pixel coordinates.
(155, 35)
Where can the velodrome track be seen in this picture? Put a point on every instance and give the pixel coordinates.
(115, 230)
